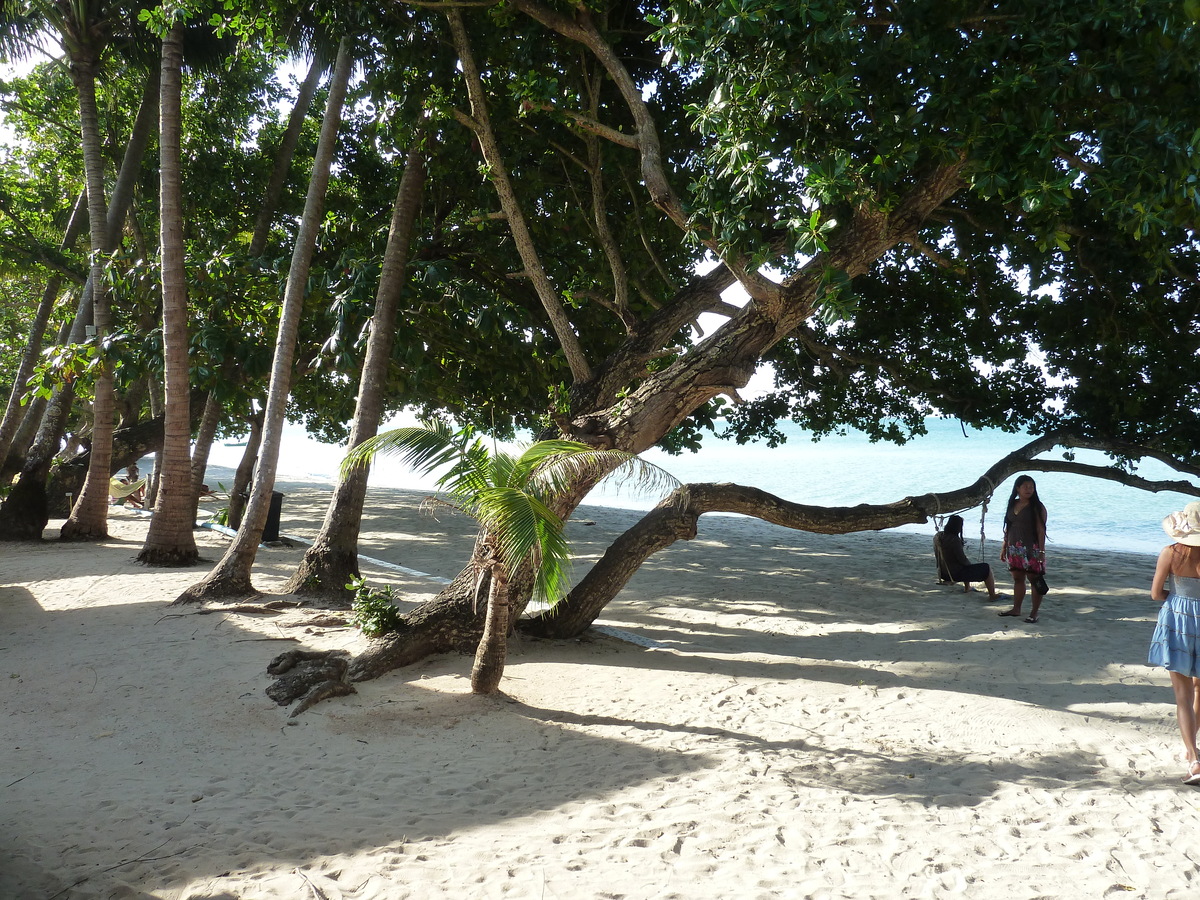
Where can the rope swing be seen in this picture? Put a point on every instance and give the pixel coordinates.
(983, 514)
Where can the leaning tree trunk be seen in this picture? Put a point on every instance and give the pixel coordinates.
(10, 424)
(231, 576)
(332, 560)
(619, 404)
(89, 517)
(492, 651)
(170, 540)
(677, 517)
(245, 471)
(452, 621)
(283, 158)
(209, 422)
(27, 509)
(18, 450)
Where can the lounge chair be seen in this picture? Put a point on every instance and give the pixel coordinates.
(120, 491)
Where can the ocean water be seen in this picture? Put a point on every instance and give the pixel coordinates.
(845, 470)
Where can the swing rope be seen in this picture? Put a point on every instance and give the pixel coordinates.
(983, 514)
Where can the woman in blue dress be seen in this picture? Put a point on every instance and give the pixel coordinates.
(1176, 642)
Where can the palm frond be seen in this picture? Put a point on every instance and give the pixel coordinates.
(508, 494)
(556, 470)
(22, 29)
(526, 530)
(426, 448)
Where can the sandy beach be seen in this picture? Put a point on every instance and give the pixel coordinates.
(765, 714)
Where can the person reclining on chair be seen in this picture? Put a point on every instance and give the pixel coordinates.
(131, 489)
(951, 554)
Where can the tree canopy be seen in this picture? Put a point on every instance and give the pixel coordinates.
(978, 210)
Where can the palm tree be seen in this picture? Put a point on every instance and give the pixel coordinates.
(511, 496)
(169, 541)
(332, 560)
(230, 577)
(84, 31)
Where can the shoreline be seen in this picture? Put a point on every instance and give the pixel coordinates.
(307, 521)
(817, 718)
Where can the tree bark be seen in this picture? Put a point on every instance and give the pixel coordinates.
(89, 517)
(450, 624)
(240, 490)
(26, 510)
(492, 651)
(332, 560)
(209, 421)
(170, 540)
(676, 518)
(283, 158)
(33, 347)
(231, 576)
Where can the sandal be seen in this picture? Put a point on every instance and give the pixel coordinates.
(1032, 620)
(1193, 774)
(1008, 612)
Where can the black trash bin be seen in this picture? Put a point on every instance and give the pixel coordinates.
(271, 529)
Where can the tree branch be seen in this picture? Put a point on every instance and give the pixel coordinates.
(480, 122)
(676, 518)
(583, 30)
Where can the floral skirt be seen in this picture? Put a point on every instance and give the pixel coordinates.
(1026, 559)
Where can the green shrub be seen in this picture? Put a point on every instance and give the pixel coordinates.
(373, 611)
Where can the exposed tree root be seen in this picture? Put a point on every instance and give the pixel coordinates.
(311, 676)
(452, 623)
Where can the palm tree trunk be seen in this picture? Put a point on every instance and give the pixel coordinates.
(283, 158)
(332, 560)
(204, 440)
(33, 347)
(169, 541)
(89, 517)
(488, 668)
(258, 243)
(231, 575)
(245, 472)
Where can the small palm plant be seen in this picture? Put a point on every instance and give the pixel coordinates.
(509, 495)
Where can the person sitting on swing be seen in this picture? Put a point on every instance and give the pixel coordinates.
(954, 560)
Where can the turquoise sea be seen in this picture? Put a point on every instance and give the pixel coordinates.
(839, 471)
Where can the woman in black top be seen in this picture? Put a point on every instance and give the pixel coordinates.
(954, 555)
(1024, 543)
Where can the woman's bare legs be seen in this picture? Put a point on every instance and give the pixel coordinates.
(1187, 708)
(1037, 602)
(1018, 577)
(990, 584)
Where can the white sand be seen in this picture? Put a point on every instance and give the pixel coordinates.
(818, 719)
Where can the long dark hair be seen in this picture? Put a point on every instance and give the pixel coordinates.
(1035, 501)
(954, 527)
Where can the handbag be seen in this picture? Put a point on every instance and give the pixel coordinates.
(1039, 584)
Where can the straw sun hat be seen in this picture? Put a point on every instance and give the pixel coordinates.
(1184, 527)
